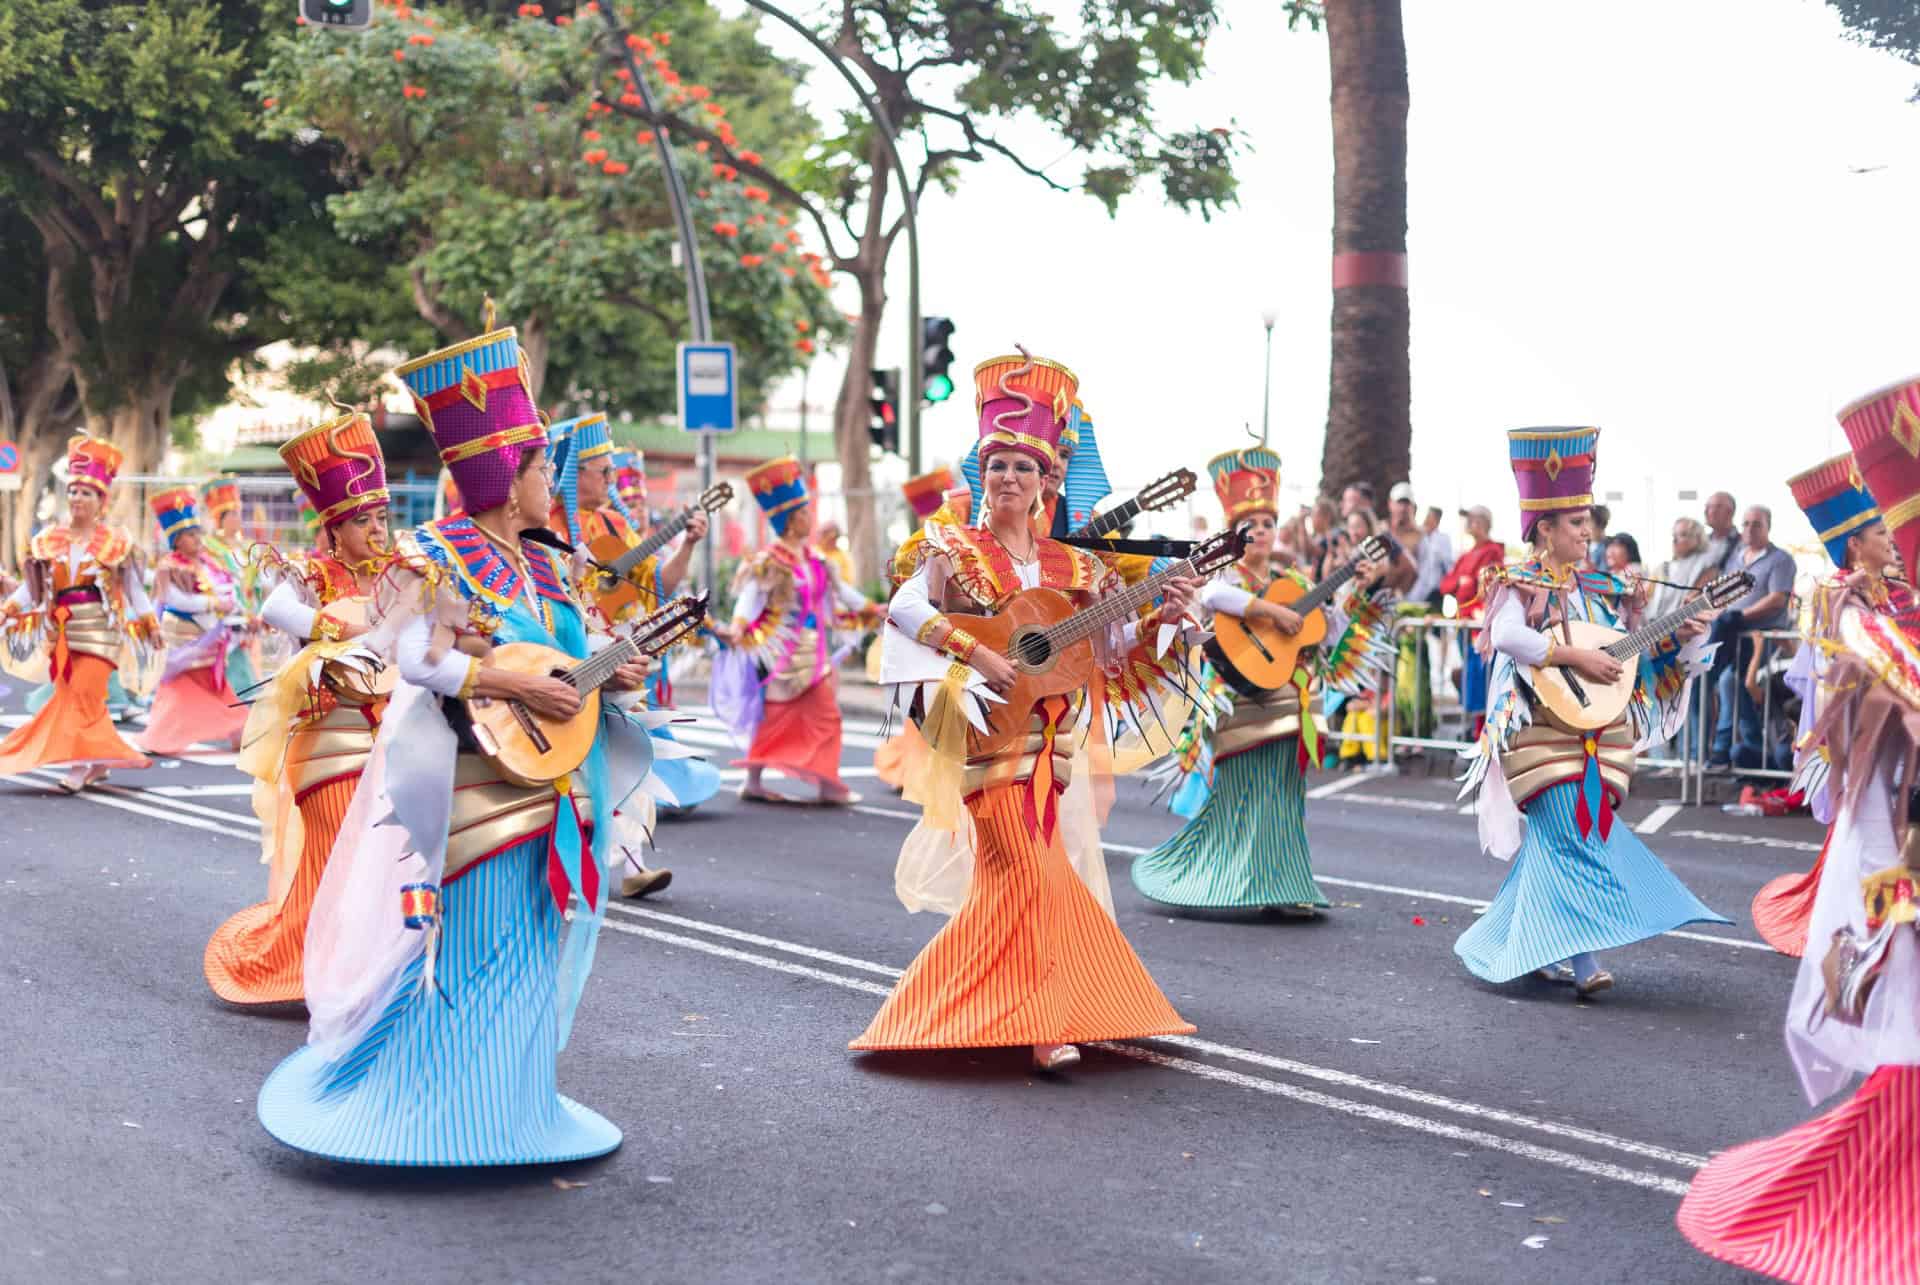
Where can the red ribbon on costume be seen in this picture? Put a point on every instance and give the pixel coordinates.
(1042, 804)
(62, 658)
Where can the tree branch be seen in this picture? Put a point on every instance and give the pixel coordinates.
(976, 141)
(431, 310)
(55, 173)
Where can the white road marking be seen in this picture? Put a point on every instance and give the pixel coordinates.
(755, 939)
(162, 812)
(241, 791)
(1310, 1097)
(1658, 818)
(1750, 840)
(1334, 787)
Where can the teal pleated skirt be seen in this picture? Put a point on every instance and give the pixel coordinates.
(1247, 845)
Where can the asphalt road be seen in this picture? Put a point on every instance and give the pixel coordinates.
(1356, 1107)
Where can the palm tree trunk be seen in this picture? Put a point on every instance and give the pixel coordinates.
(1369, 426)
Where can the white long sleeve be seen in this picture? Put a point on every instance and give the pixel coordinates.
(179, 599)
(1512, 635)
(444, 678)
(22, 597)
(751, 602)
(1218, 595)
(910, 608)
(285, 610)
(135, 591)
(849, 597)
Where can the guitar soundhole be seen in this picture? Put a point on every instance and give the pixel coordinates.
(1031, 650)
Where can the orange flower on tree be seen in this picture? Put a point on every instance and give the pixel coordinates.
(723, 228)
(614, 167)
(752, 260)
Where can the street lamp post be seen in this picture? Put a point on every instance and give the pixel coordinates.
(1267, 319)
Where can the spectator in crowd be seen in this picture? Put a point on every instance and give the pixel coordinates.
(827, 541)
(1357, 495)
(1462, 584)
(1722, 536)
(1690, 557)
(1442, 541)
(1430, 564)
(1597, 551)
(1623, 557)
(1322, 521)
(1764, 607)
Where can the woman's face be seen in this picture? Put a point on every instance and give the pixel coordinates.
(799, 523)
(1567, 536)
(188, 544)
(1874, 548)
(83, 504)
(1684, 544)
(362, 536)
(1358, 528)
(1013, 484)
(1260, 530)
(1616, 557)
(533, 488)
(1057, 475)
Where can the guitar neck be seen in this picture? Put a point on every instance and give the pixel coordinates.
(1112, 520)
(1083, 624)
(656, 540)
(1321, 594)
(593, 672)
(1653, 631)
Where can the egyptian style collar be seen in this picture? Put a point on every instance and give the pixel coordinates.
(106, 546)
(480, 570)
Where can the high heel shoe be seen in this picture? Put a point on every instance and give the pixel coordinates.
(1055, 1057)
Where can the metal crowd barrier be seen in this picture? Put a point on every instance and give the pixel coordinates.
(1686, 755)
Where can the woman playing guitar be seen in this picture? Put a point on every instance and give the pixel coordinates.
(1243, 772)
(1580, 883)
(443, 963)
(1030, 959)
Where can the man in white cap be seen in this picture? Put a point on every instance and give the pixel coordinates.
(1429, 558)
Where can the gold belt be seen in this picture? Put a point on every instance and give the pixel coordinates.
(984, 773)
(490, 814)
(1540, 756)
(89, 632)
(1254, 721)
(796, 676)
(176, 631)
(333, 746)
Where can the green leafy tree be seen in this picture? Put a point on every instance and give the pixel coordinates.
(128, 143)
(951, 78)
(38, 401)
(1891, 25)
(485, 157)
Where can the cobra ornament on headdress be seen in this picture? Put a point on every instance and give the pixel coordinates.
(1023, 403)
(1086, 482)
(339, 468)
(92, 462)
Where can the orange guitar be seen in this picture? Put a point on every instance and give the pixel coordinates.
(1050, 644)
(606, 580)
(531, 750)
(1253, 655)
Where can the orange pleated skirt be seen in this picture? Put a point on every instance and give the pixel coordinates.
(259, 955)
(1783, 909)
(801, 737)
(73, 727)
(1030, 959)
(187, 710)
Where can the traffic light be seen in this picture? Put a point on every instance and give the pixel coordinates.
(344, 14)
(936, 385)
(884, 402)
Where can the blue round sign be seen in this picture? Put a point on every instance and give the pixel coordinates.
(9, 457)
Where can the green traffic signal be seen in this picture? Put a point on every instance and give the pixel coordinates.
(938, 388)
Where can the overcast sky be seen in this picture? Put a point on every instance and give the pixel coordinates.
(1639, 215)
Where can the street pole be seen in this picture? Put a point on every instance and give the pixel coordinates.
(699, 311)
(879, 115)
(1267, 319)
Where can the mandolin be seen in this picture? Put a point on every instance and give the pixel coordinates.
(1253, 655)
(1579, 704)
(1050, 643)
(531, 750)
(612, 560)
(1161, 493)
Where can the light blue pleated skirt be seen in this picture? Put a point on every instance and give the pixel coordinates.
(693, 781)
(1565, 894)
(464, 1080)
(1247, 845)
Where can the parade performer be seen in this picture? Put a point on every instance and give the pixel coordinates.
(443, 966)
(1844, 515)
(1836, 1200)
(587, 509)
(1241, 761)
(630, 487)
(785, 603)
(1030, 958)
(311, 729)
(79, 615)
(1076, 482)
(1580, 883)
(926, 496)
(225, 544)
(199, 622)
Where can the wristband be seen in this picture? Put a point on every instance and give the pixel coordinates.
(960, 645)
(326, 628)
(1548, 658)
(472, 680)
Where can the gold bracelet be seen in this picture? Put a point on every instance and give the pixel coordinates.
(920, 635)
(472, 680)
(1548, 659)
(960, 645)
(326, 628)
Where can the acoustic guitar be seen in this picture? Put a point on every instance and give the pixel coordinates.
(1254, 655)
(532, 750)
(1050, 643)
(1161, 493)
(1578, 704)
(611, 560)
